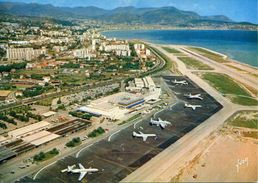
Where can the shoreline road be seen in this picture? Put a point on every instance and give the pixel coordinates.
(167, 164)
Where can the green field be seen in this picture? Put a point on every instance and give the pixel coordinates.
(36, 71)
(192, 63)
(245, 119)
(210, 55)
(171, 50)
(230, 88)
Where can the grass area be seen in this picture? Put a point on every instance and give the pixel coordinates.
(229, 87)
(209, 54)
(130, 119)
(45, 156)
(192, 63)
(36, 71)
(242, 100)
(171, 50)
(75, 79)
(45, 102)
(245, 119)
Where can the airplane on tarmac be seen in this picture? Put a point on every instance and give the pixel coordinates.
(160, 122)
(182, 82)
(83, 171)
(192, 106)
(196, 96)
(143, 136)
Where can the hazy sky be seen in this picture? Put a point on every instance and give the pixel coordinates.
(238, 10)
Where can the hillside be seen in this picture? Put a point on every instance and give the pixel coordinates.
(170, 16)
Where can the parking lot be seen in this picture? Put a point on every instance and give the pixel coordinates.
(123, 154)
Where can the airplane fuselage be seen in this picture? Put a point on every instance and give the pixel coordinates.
(183, 82)
(143, 136)
(160, 122)
(197, 96)
(84, 170)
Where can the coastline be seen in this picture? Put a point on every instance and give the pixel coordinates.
(250, 63)
(229, 58)
(175, 29)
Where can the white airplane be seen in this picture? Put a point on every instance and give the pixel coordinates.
(83, 171)
(182, 82)
(160, 122)
(196, 96)
(143, 136)
(192, 106)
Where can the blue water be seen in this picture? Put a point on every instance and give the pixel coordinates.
(238, 45)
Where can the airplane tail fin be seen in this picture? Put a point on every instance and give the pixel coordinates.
(81, 166)
(134, 134)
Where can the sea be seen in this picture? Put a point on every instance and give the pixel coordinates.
(237, 44)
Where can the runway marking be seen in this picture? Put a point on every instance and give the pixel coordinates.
(78, 153)
(115, 163)
(170, 108)
(109, 138)
(134, 125)
(35, 176)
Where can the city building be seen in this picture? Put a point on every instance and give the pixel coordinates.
(24, 53)
(30, 129)
(140, 83)
(83, 53)
(4, 94)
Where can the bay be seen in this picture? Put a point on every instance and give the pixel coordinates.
(237, 44)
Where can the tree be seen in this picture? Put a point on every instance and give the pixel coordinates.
(59, 101)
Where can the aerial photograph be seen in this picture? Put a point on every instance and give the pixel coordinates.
(130, 91)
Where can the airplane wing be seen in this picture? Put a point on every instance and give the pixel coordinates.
(163, 125)
(144, 138)
(64, 170)
(82, 175)
(81, 166)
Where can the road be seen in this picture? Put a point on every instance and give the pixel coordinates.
(167, 164)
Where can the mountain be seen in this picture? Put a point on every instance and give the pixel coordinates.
(152, 16)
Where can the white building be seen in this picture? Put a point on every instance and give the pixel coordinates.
(24, 53)
(83, 53)
(141, 83)
(30, 129)
(118, 49)
(139, 46)
(115, 106)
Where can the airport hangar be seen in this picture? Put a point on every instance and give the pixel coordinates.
(26, 138)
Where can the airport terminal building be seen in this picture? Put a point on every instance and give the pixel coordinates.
(119, 105)
(114, 106)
